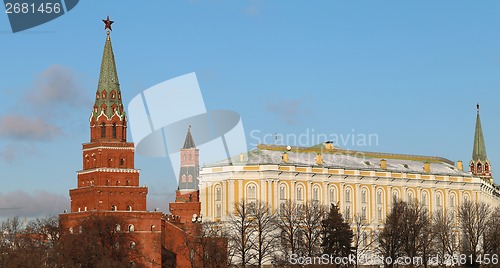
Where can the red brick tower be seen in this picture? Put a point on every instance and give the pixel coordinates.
(187, 201)
(108, 184)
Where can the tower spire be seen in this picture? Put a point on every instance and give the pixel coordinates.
(189, 142)
(479, 150)
(480, 165)
(108, 121)
(108, 96)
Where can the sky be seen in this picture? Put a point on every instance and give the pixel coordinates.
(408, 72)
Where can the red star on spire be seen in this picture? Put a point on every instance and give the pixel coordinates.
(107, 23)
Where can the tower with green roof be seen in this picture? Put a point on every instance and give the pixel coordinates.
(480, 165)
(108, 119)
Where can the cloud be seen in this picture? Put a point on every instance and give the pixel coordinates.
(37, 204)
(55, 91)
(56, 86)
(288, 110)
(18, 127)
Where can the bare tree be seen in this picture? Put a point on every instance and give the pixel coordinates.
(312, 216)
(414, 233)
(241, 233)
(445, 234)
(289, 227)
(491, 241)
(264, 225)
(473, 222)
(207, 244)
(98, 242)
(361, 243)
(29, 243)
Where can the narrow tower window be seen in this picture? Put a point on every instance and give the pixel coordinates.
(103, 130)
(114, 130)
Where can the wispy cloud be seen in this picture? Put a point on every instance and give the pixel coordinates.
(55, 87)
(55, 91)
(289, 111)
(37, 204)
(19, 127)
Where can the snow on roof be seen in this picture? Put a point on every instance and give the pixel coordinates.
(344, 159)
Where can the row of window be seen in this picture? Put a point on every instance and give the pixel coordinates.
(189, 178)
(251, 194)
(114, 208)
(104, 94)
(479, 168)
(111, 161)
(103, 130)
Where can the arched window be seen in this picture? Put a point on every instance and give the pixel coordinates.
(251, 192)
(315, 196)
(183, 178)
(132, 245)
(452, 200)
(299, 193)
(118, 228)
(190, 178)
(395, 195)
(348, 195)
(486, 167)
(218, 194)
(424, 199)
(438, 199)
(113, 208)
(479, 167)
(410, 196)
(114, 130)
(282, 192)
(131, 228)
(379, 197)
(363, 196)
(103, 130)
(333, 196)
(129, 208)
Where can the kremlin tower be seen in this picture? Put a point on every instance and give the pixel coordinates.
(108, 184)
(480, 165)
(187, 204)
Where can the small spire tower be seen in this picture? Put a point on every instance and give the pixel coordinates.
(480, 165)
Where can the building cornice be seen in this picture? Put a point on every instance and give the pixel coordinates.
(106, 169)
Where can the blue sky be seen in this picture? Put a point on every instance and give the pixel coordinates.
(409, 72)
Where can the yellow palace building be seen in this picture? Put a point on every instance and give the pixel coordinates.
(361, 183)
